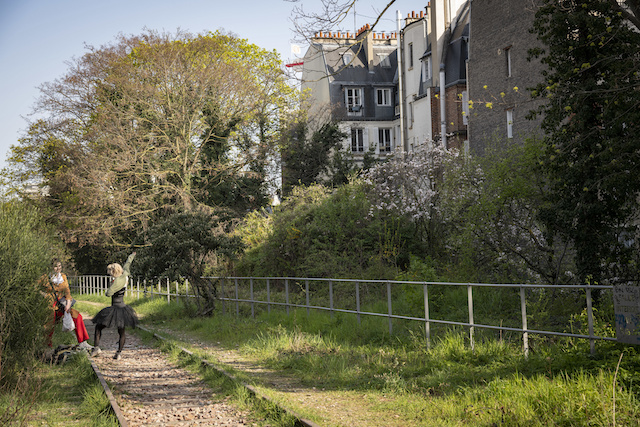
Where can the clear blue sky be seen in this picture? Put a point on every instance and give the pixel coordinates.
(37, 37)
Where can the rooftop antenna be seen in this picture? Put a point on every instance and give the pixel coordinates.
(355, 26)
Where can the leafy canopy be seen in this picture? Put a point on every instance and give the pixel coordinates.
(151, 125)
(592, 122)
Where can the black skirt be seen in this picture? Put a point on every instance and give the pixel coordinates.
(118, 315)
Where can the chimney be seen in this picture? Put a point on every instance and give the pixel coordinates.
(365, 36)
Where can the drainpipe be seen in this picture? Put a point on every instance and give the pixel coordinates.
(443, 115)
(400, 86)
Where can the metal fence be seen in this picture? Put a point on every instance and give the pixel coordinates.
(137, 287)
(286, 293)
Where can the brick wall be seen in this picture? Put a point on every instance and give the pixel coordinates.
(500, 29)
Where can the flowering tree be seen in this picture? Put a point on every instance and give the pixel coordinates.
(480, 212)
(413, 187)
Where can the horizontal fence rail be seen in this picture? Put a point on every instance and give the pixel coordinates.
(136, 286)
(293, 292)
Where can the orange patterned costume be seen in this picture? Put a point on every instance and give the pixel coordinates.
(56, 286)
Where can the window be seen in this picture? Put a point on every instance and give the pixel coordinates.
(509, 123)
(410, 55)
(357, 140)
(383, 97)
(347, 58)
(385, 60)
(384, 140)
(426, 69)
(507, 55)
(353, 101)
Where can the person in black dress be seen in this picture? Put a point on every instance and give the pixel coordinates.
(118, 315)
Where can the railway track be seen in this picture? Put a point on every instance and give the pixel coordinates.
(147, 390)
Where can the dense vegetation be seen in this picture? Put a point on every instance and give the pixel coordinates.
(27, 247)
(591, 118)
(186, 132)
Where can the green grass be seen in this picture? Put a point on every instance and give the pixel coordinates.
(58, 395)
(559, 384)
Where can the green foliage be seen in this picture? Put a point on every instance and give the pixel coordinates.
(181, 246)
(396, 377)
(27, 247)
(308, 160)
(316, 234)
(172, 122)
(592, 120)
(494, 229)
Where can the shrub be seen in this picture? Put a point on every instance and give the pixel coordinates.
(317, 234)
(26, 250)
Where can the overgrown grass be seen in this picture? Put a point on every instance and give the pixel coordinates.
(59, 394)
(560, 383)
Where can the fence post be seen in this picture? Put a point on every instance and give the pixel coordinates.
(525, 334)
(286, 293)
(235, 280)
(390, 311)
(427, 324)
(253, 313)
(590, 319)
(331, 297)
(268, 297)
(168, 291)
(222, 294)
(358, 301)
(470, 296)
(306, 291)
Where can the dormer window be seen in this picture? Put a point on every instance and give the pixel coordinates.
(385, 60)
(347, 58)
(353, 101)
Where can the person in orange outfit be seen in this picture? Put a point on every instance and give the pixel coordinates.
(56, 288)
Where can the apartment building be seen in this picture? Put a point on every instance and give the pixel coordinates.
(355, 79)
(461, 78)
(351, 78)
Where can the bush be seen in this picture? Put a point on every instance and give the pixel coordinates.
(26, 250)
(317, 234)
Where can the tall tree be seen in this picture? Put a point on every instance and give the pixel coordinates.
(153, 124)
(592, 119)
(311, 159)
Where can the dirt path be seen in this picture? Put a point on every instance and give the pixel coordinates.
(152, 392)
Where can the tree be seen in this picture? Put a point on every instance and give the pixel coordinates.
(592, 123)
(307, 160)
(182, 246)
(331, 14)
(407, 186)
(152, 125)
(477, 216)
(492, 219)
